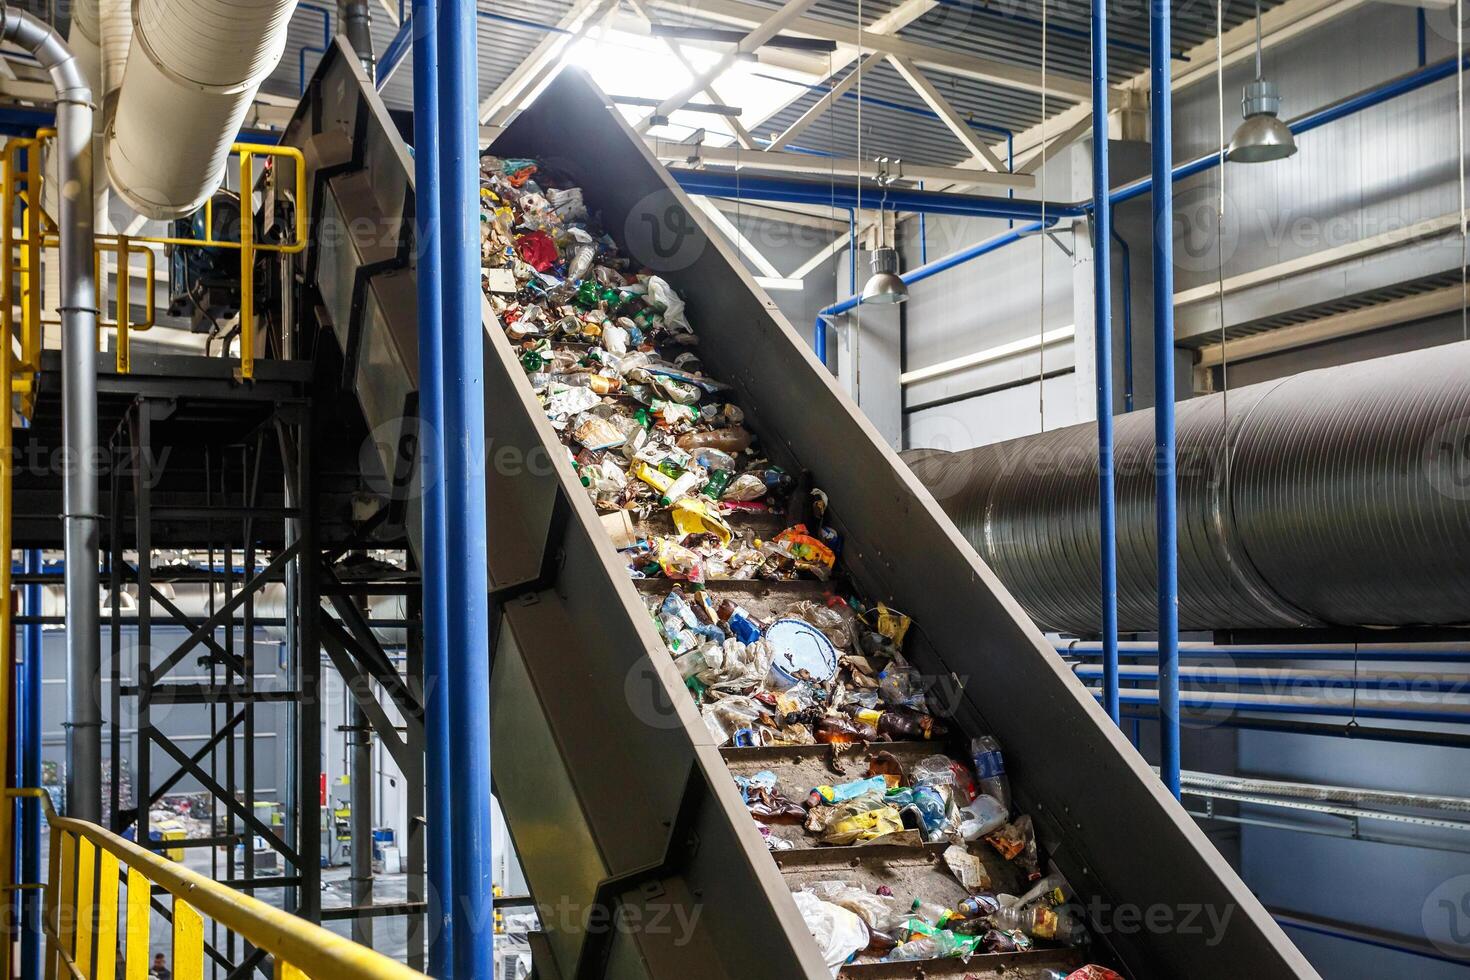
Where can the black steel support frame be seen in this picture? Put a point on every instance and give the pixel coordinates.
(224, 641)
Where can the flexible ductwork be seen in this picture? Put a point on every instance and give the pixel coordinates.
(115, 18)
(79, 400)
(192, 71)
(1333, 497)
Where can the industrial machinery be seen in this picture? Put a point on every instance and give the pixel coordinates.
(617, 799)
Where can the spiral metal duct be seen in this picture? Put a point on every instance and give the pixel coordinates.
(193, 69)
(1333, 497)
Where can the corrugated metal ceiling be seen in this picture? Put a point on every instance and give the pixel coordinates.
(894, 120)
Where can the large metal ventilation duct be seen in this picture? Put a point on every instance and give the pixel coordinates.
(193, 69)
(1334, 497)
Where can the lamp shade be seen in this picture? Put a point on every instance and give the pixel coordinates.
(884, 286)
(1262, 137)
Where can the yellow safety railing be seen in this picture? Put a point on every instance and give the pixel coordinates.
(86, 904)
(20, 258)
(246, 244)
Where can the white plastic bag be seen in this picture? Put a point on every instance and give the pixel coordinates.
(838, 932)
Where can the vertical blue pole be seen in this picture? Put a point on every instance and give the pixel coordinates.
(1163, 261)
(427, 240)
(30, 774)
(466, 576)
(1102, 319)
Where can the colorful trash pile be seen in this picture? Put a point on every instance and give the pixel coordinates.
(687, 495)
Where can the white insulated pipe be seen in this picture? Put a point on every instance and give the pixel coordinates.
(193, 69)
(115, 18)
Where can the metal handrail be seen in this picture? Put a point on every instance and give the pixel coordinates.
(86, 865)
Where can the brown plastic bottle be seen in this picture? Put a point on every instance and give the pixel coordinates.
(732, 439)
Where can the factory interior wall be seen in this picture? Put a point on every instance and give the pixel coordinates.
(1363, 176)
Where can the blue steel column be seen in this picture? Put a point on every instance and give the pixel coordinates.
(1162, 139)
(1102, 319)
(30, 773)
(466, 576)
(427, 233)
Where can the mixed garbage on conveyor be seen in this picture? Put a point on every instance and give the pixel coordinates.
(684, 492)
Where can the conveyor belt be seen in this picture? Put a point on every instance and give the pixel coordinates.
(612, 787)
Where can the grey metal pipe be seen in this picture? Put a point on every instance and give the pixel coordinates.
(78, 309)
(1324, 793)
(1332, 497)
(360, 773)
(357, 24)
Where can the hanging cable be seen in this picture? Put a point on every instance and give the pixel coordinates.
(1225, 449)
(1460, 162)
(1041, 329)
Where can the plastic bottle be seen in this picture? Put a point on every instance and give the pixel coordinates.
(937, 945)
(1041, 922)
(731, 439)
(981, 816)
(1052, 889)
(978, 907)
(906, 724)
(990, 769)
(836, 730)
(933, 913)
(716, 484)
(686, 484)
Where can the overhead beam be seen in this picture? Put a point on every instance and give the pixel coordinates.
(946, 112)
(1334, 327)
(743, 245)
(928, 56)
(806, 163)
(497, 108)
(820, 107)
(1280, 24)
(765, 29)
(890, 23)
(742, 135)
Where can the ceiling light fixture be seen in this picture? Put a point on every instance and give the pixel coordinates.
(1263, 136)
(884, 286)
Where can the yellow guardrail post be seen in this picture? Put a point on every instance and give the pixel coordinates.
(247, 264)
(80, 916)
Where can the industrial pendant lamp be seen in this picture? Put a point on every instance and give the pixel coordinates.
(1263, 136)
(884, 286)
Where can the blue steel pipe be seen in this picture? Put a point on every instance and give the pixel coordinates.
(1102, 317)
(30, 775)
(1277, 678)
(1196, 700)
(466, 575)
(428, 244)
(1366, 656)
(920, 274)
(727, 184)
(395, 52)
(1161, 151)
(326, 16)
